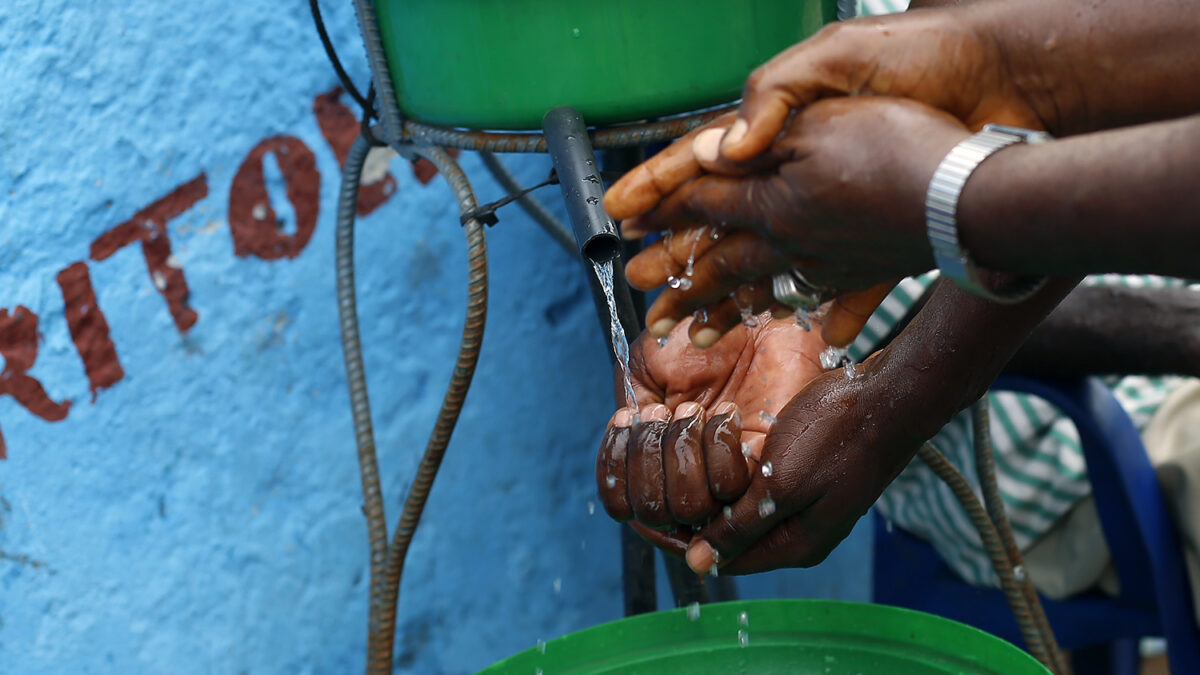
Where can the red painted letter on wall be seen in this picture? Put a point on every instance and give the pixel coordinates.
(340, 128)
(19, 347)
(89, 328)
(149, 226)
(252, 221)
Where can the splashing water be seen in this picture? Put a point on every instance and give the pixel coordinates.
(767, 470)
(620, 346)
(681, 283)
(832, 357)
(541, 646)
(743, 638)
(849, 367)
(766, 507)
(693, 611)
(744, 620)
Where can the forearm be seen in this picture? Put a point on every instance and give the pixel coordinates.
(1106, 330)
(1097, 64)
(946, 358)
(1117, 201)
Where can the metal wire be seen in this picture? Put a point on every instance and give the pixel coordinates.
(541, 215)
(1024, 612)
(986, 468)
(379, 632)
(387, 561)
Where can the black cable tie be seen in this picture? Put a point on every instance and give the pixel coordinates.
(486, 213)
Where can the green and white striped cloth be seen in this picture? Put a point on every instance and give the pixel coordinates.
(1039, 461)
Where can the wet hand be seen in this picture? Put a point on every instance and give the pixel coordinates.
(830, 455)
(702, 421)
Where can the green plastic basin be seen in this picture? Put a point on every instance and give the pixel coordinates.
(796, 637)
(501, 64)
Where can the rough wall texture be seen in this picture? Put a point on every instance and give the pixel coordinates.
(178, 489)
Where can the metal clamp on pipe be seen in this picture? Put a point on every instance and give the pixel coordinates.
(582, 188)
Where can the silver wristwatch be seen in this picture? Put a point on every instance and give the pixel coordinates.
(941, 207)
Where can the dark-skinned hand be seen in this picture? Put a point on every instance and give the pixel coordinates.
(703, 417)
(839, 196)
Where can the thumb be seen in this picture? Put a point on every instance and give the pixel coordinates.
(735, 530)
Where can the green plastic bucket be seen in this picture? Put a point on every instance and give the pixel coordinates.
(795, 637)
(501, 64)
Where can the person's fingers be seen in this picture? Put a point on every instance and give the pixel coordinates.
(740, 258)
(776, 88)
(647, 487)
(850, 311)
(688, 498)
(673, 542)
(668, 257)
(728, 474)
(611, 467)
(644, 187)
(710, 198)
(803, 540)
(736, 528)
(711, 323)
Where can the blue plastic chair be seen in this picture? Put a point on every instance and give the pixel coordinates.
(1101, 631)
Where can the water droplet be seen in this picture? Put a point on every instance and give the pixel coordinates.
(849, 368)
(690, 268)
(803, 319)
(767, 417)
(716, 557)
(591, 508)
(831, 358)
(591, 178)
(557, 585)
(537, 671)
(593, 200)
(744, 619)
(661, 342)
(716, 232)
(611, 481)
(160, 282)
(681, 283)
(713, 571)
(743, 638)
(1019, 574)
(575, 32)
(693, 611)
(541, 646)
(728, 511)
(749, 320)
(766, 506)
(887, 525)
(700, 316)
(768, 470)
(259, 211)
(746, 450)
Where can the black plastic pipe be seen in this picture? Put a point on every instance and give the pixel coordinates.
(582, 187)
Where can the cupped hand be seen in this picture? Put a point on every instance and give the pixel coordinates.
(703, 416)
(836, 446)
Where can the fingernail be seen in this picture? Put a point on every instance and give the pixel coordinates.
(707, 145)
(623, 418)
(706, 337)
(736, 133)
(724, 407)
(700, 556)
(688, 409)
(662, 327)
(656, 413)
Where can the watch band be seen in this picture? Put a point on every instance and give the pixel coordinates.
(941, 208)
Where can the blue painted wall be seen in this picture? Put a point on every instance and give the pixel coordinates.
(202, 514)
